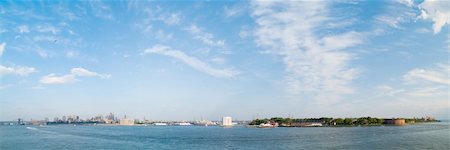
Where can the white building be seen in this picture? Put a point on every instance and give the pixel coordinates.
(227, 121)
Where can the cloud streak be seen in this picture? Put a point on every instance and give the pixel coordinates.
(316, 65)
(53, 79)
(437, 75)
(191, 61)
(71, 77)
(16, 70)
(206, 38)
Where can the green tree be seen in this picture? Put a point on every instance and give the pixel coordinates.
(339, 121)
(326, 120)
(348, 121)
(362, 121)
(258, 121)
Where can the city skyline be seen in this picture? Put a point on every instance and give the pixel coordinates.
(245, 59)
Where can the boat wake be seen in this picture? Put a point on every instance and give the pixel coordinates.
(40, 130)
(31, 128)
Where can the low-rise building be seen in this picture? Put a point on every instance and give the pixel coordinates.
(127, 122)
(398, 122)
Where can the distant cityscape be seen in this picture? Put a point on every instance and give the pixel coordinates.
(111, 119)
(227, 121)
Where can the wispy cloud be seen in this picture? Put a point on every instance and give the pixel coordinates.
(16, 70)
(101, 10)
(86, 73)
(434, 75)
(170, 19)
(47, 28)
(23, 29)
(191, 61)
(53, 79)
(428, 91)
(234, 10)
(418, 83)
(71, 77)
(388, 90)
(315, 64)
(2, 48)
(206, 38)
(397, 13)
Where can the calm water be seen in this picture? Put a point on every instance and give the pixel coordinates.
(423, 136)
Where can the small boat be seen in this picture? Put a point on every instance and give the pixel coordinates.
(160, 124)
(266, 125)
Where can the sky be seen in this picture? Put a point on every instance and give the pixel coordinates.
(185, 60)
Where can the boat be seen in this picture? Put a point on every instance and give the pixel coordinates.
(183, 124)
(266, 125)
(160, 124)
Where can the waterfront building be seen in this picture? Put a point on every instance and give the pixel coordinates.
(227, 121)
(127, 122)
(398, 122)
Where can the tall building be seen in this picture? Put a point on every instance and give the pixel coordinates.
(227, 121)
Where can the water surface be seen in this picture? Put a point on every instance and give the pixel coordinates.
(420, 136)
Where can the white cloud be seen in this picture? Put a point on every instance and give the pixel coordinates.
(206, 38)
(418, 83)
(396, 14)
(23, 29)
(437, 11)
(17, 70)
(342, 41)
(218, 60)
(191, 61)
(2, 48)
(86, 73)
(71, 77)
(437, 75)
(53, 79)
(392, 21)
(315, 64)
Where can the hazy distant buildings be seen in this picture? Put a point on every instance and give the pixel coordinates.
(227, 121)
(126, 122)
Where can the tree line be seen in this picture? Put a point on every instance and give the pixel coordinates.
(334, 121)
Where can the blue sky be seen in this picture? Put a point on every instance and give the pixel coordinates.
(190, 60)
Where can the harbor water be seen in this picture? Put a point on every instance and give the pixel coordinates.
(418, 136)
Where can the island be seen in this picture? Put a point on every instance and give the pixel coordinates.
(336, 122)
